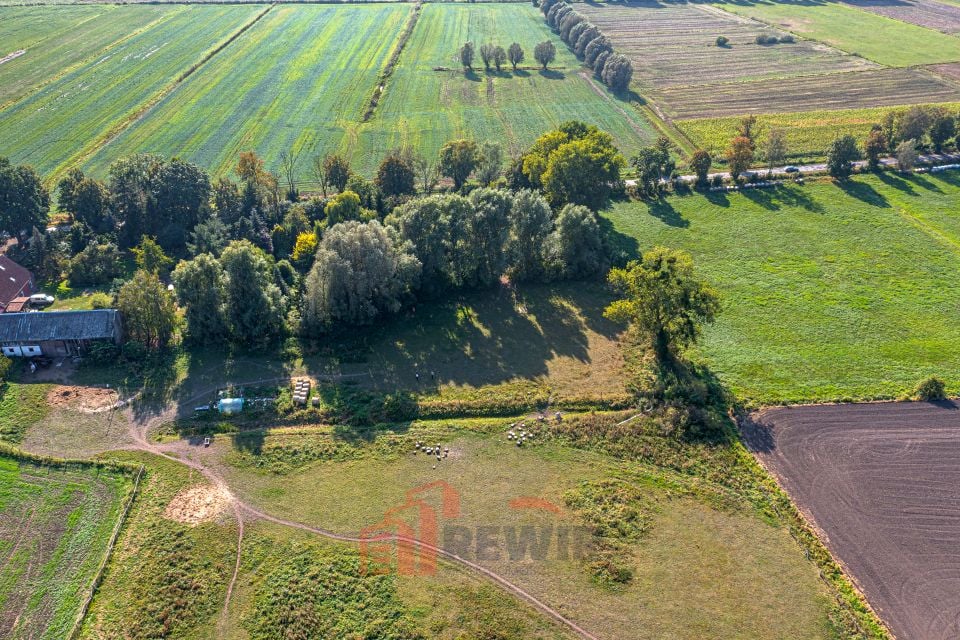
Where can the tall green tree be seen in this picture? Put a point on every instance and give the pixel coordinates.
(575, 246)
(255, 305)
(515, 54)
(467, 53)
(458, 159)
(337, 170)
(150, 257)
(663, 300)
(24, 201)
(361, 272)
(147, 310)
(700, 164)
(739, 156)
(843, 153)
(617, 72)
(545, 53)
(397, 175)
(530, 224)
(875, 146)
(775, 148)
(201, 291)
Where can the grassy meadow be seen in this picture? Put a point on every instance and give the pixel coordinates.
(883, 40)
(55, 525)
(299, 81)
(430, 100)
(828, 292)
(769, 590)
(68, 119)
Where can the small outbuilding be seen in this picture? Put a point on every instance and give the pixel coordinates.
(16, 282)
(57, 334)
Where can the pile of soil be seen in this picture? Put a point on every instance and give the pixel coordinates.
(194, 505)
(83, 398)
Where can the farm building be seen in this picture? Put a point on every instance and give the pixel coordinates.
(57, 333)
(16, 283)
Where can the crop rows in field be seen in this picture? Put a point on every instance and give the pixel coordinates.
(672, 45)
(808, 134)
(54, 529)
(53, 42)
(297, 82)
(430, 99)
(56, 126)
(864, 89)
(924, 13)
(885, 41)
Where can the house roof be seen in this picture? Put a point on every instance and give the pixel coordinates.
(58, 325)
(13, 280)
(18, 304)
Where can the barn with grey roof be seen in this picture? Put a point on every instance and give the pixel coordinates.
(57, 333)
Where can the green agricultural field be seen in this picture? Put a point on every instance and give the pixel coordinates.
(827, 292)
(299, 80)
(883, 40)
(808, 134)
(55, 525)
(56, 41)
(59, 125)
(430, 100)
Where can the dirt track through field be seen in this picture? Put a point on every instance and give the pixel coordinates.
(180, 451)
(881, 482)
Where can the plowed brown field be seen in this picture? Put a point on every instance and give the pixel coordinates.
(882, 483)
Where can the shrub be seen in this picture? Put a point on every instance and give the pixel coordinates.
(722, 41)
(766, 39)
(931, 389)
(100, 300)
(787, 39)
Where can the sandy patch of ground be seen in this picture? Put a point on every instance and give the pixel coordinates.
(198, 504)
(82, 398)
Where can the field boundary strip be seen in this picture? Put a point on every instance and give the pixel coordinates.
(392, 62)
(108, 553)
(79, 63)
(136, 114)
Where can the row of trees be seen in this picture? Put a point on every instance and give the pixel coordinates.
(589, 44)
(496, 55)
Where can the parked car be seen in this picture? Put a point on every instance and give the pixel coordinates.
(40, 301)
(791, 169)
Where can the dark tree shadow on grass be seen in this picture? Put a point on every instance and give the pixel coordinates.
(472, 75)
(622, 247)
(863, 192)
(891, 180)
(552, 74)
(521, 73)
(663, 210)
(923, 181)
(717, 198)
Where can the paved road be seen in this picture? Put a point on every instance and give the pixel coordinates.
(930, 158)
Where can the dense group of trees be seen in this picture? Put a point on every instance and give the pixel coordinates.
(250, 261)
(589, 44)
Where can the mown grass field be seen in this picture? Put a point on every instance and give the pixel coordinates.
(298, 81)
(423, 107)
(769, 589)
(67, 119)
(55, 525)
(808, 134)
(54, 42)
(886, 41)
(828, 292)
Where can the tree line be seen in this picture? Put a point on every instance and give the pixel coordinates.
(589, 44)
